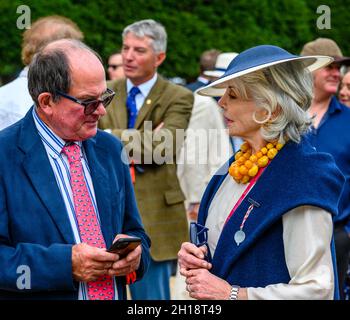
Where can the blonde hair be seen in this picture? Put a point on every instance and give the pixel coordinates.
(285, 92)
(45, 30)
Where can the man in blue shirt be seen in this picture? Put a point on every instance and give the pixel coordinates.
(330, 133)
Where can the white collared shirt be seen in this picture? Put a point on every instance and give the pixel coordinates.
(145, 89)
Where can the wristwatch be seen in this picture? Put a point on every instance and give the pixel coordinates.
(234, 293)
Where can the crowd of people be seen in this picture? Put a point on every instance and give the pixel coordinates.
(241, 179)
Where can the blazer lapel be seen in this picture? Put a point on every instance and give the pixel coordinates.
(38, 169)
(149, 102)
(100, 180)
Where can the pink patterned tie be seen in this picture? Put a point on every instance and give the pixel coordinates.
(89, 227)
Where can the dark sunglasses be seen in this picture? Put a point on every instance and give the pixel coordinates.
(91, 105)
(199, 237)
(114, 66)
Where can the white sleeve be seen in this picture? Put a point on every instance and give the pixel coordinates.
(307, 233)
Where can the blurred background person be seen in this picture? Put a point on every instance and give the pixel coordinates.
(344, 89)
(330, 133)
(115, 66)
(207, 62)
(15, 99)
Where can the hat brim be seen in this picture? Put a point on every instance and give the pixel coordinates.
(218, 87)
(214, 73)
(344, 61)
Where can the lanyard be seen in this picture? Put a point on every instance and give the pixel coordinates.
(246, 191)
(132, 171)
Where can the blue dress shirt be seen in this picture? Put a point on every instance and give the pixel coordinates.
(333, 136)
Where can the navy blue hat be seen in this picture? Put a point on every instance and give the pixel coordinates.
(258, 58)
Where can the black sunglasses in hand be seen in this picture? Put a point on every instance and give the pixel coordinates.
(199, 237)
(91, 105)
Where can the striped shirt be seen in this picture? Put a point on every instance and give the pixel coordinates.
(60, 166)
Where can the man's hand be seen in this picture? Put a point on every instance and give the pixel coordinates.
(129, 263)
(89, 263)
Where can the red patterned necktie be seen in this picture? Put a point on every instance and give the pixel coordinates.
(89, 227)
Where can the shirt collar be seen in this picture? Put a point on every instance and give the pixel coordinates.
(334, 106)
(52, 142)
(24, 73)
(145, 87)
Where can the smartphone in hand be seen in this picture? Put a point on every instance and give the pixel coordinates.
(124, 245)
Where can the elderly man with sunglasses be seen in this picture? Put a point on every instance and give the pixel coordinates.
(65, 188)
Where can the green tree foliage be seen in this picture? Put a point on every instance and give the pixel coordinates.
(192, 25)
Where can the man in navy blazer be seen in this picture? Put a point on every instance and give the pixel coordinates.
(42, 255)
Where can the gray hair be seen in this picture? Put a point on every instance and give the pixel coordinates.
(149, 28)
(284, 91)
(50, 71)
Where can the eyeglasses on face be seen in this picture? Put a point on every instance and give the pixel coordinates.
(114, 66)
(91, 105)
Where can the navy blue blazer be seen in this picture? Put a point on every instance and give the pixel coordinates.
(34, 226)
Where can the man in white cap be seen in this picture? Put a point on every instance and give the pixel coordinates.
(330, 133)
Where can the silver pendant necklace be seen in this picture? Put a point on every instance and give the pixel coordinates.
(239, 236)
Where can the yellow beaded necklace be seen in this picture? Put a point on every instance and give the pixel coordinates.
(246, 165)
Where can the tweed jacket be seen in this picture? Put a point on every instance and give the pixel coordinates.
(157, 189)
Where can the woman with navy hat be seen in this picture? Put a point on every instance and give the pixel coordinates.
(265, 228)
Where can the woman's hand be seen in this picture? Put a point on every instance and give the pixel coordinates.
(203, 285)
(192, 257)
